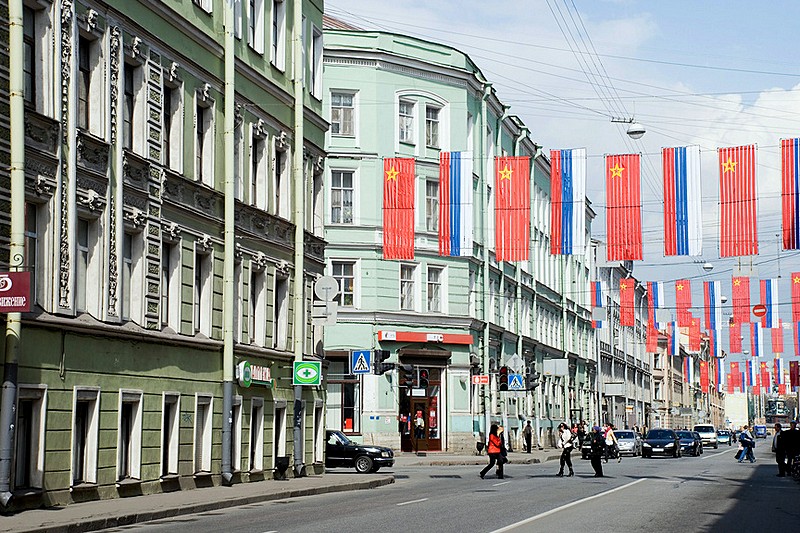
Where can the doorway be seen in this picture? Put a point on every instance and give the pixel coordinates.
(419, 419)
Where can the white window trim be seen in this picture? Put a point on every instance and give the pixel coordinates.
(38, 430)
(90, 454)
(205, 5)
(206, 174)
(236, 435)
(237, 19)
(356, 197)
(414, 119)
(317, 44)
(280, 208)
(175, 399)
(443, 289)
(238, 300)
(136, 291)
(257, 40)
(175, 133)
(279, 430)
(239, 161)
(206, 291)
(43, 59)
(355, 95)
(98, 95)
(174, 297)
(256, 406)
(319, 433)
(135, 397)
(417, 287)
(138, 119)
(94, 268)
(263, 183)
(278, 53)
(356, 276)
(280, 325)
(259, 307)
(205, 443)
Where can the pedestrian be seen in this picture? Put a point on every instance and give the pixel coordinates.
(493, 449)
(527, 433)
(501, 432)
(779, 447)
(791, 444)
(419, 426)
(748, 443)
(597, 451)
(566, 442)
(612, 448)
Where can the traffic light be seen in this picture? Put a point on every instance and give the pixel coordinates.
(532, 380)
(423, 378)
(405, 375)
(379, 356)
(503, 378)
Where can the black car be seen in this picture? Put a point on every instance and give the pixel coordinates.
(586, 446)
(661, 442)
(341, 451)
(691, 442)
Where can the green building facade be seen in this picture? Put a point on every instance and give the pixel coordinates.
(440, 320)
(120, 371)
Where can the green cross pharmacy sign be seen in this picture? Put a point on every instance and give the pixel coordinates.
(307, 373)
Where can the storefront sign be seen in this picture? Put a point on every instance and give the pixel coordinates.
(249, 374)
(480, 379)
(424, 336)
(307, 373)
(15, 292)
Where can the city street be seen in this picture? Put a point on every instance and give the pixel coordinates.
(707, 493)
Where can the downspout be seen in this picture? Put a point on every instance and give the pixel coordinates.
(299, 325)
(487, 92)
(230, 245)
(8, 401)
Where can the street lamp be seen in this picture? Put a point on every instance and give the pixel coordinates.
(635, 130)
(723, 299)
(708, 267)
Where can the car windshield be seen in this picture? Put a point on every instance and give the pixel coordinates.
(723, 432)
(704, 429)
(624, 434)
(338, 436)
(659, 434)
(684, 434)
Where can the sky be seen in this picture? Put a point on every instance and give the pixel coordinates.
(707, 73)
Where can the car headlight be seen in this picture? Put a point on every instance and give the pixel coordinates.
(385, 454)
(646, 444)
(671, 444)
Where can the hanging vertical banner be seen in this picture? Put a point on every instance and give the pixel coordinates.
(796, 338)
(714, 342)
(764, 371)
(740, 294)
(756, 339)
(623, 207)
(778, 371)
(598, 300)
(627, 291)
(737, 205)
(455, 204)
(688, 369)
(712, 298)
(655, 301)
(512, 208)
(769, 298)
(777, 338)
(794, 373)
(568, 201)
(757, 385)
(735, 337)
(674, 339)
(736, 375)
(795, 296)
(752, 368)
(694, 335)
(704, 376)
(398, 208)
(683, 302)
(683, 224)
(721, 376)
(730, 385)
(790, 193)
(651, 340)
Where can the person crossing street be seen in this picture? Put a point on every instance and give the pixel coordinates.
(566, 442)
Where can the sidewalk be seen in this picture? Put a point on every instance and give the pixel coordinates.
(91, 516)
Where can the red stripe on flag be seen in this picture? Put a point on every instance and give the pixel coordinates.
(736, 337)
(670, 216)
(398, 208)
(444, 203)
(556, 201)
(777, 338)
(789, 194)
(795, 297)
(741, 299)
(627, 289)
(683, 301)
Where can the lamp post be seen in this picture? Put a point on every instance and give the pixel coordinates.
(635, 130)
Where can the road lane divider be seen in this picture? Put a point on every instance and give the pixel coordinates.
(512, 527)
(412, 501)
(501, 483)
(714, 454)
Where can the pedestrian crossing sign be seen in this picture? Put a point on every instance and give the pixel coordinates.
(515, 382)
(361, 362)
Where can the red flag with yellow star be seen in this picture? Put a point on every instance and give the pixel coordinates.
(735, 337)
(737, 201)
(795, 297)
(694, 334)
(512, 207)
(683, 301)
(623, 207)
(398, 208)
(704, 376)
(627, 290)
(741, 299)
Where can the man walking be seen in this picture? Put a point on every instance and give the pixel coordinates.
(778, 446)
(527, 432)
(748, 443)
(597, 451)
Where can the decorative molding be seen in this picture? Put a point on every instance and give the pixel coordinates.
(92, 153)
(92, 201)
(91, 20)
(173, 72)
(205, 92)
(113, 272)
(204, 242)
(238, 252)
(260, 129)
(66, 74)
(43, 186)
(319, 165)
(282, 141)
(238, 115)
(41, 132)
(115, 44)
(259, 262)
(171, 231)
(136, 50)
(283, 268)
(136, 217)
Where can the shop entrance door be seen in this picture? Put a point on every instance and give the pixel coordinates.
(419, 422)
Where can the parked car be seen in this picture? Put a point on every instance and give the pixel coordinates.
(661, 442)
(691, 442)
(708, 433)
(341, 451)
(760, 431)
(724, 437)
(629, 442)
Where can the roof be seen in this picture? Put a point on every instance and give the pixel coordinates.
(331, 23)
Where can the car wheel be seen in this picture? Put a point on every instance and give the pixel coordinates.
(716, 446)
(363, 464)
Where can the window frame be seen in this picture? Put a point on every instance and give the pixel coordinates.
(204, 141)
(256, 439)
(278, 35)
(414, 288)
(432, 206)
(406, 121)
(342, 190)
(432, 124)
(341, 277)
(338, 386)
(441, 283)
(315, 65)
(35, 435)
(203, 443)
(259, 168)
(172, 124)
(280, 322)
(203, 287)
(171, 285)
(255, 25)
(170, 434)
(134, 444)
(342, 110)
(257, 305)
(89, 441)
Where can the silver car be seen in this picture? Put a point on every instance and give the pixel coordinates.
(629, 442)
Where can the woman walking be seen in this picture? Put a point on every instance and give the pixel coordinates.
(494, 448)
(566, 440)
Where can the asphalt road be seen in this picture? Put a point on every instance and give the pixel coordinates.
(708, 493)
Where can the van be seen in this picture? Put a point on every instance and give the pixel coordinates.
(760, 432)
(708, 434)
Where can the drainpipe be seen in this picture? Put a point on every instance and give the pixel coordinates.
(487, 411)
(8, 400)
(299, 325)
(230, 245)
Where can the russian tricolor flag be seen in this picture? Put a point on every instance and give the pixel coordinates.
(713, 300)
(720, 375)
(688, 369)
(683, 223)
(769, 297)
(779, 371)
(756, 339)
(752, 370)
(715, 347)
(790, 188)
(455, 203)
(674, 340)
(568, 201)
(655, 300)
(598, 297)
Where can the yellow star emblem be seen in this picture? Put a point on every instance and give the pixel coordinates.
(392, 174)
(505, 174)
(796, 279)
(623, 286)
(679, 287)
(737, 282)
(729, 166)
(616, 170)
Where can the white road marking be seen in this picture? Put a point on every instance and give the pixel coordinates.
(714, 454)
(412, 501)
(501, 483)
(567, 506)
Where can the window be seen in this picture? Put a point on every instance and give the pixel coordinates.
(432, 205)
(281, 185)
(84, 81)
(129, 443)
(657, 390)
(342, 114)
(279, 431)
(237, 19)
(85, 415)
(204, 146)
(280, 322)
(29, 435)
(170, 427)
(278, 55)
(32, 245)
(202, 433)
(173, 127)
(238, 159)
(432, 126)
(407, 289)
(256, 435)
(319, 433)
(128, 99)
(202, 293)
(205, 5)
(238, 300)
(127, 270)
(343, 272)
(255, 25)
(435, 279)
(344, 398)
(29, 53)
(406, 121)
(341, 197)
(236, 434)
(316, 62)
(87, 270)
(258, 170)
(170, 285)
(257, 307)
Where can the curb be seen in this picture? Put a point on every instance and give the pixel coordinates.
(136, 518)
(481, 460)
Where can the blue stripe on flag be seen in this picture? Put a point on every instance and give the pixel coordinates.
(455, 203)
(681, 201)
(712, 303)
(566, 202)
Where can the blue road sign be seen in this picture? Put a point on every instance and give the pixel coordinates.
(361, 362)
(515, 382)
